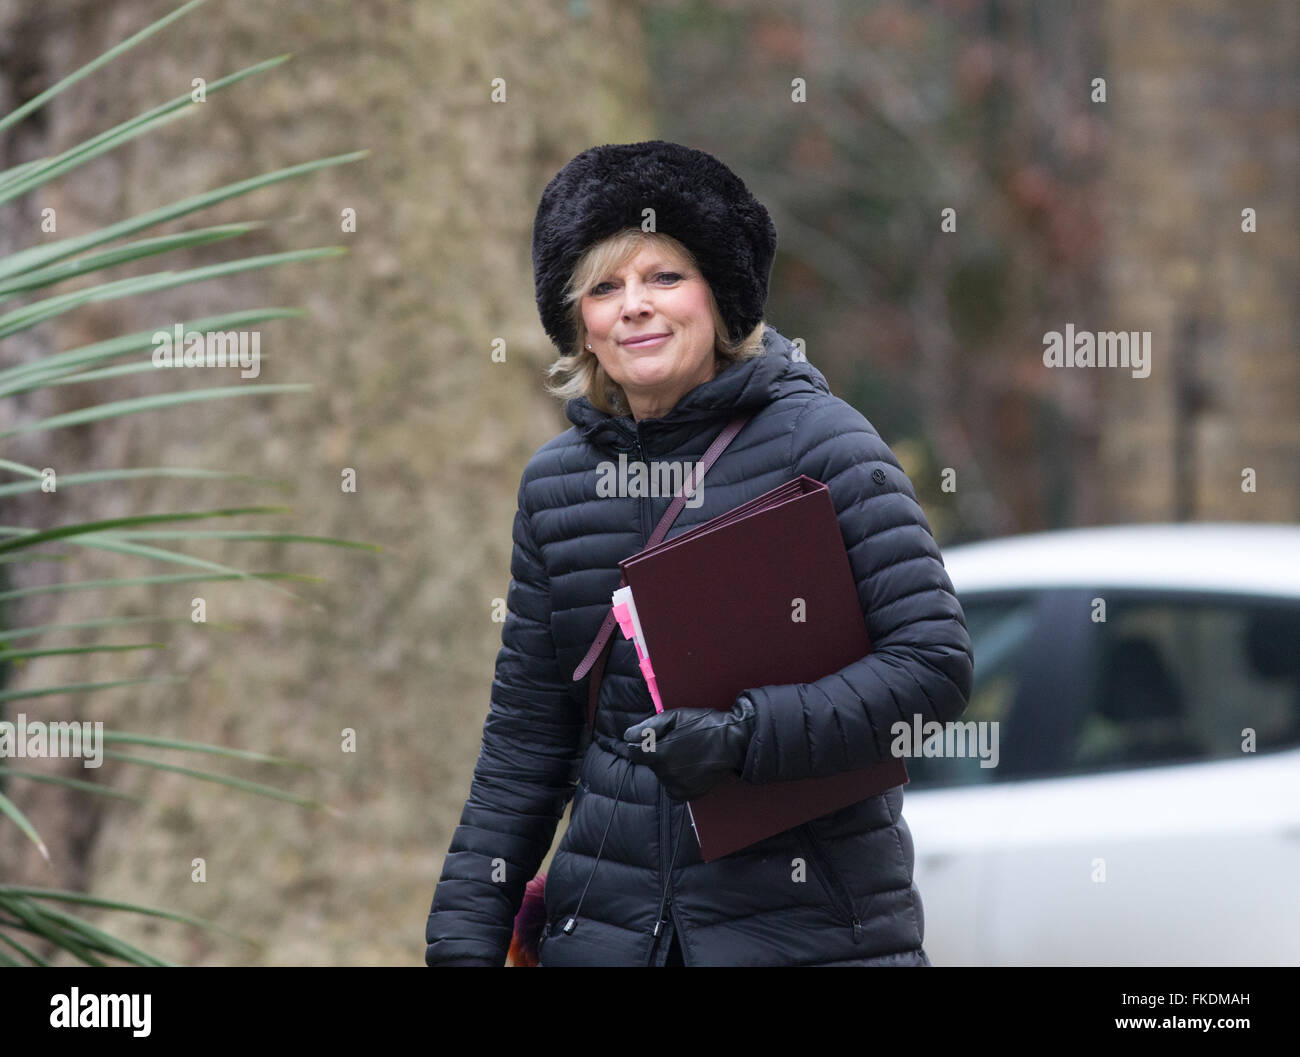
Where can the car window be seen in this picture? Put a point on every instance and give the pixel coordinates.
(1000, 629)
(1180, 679)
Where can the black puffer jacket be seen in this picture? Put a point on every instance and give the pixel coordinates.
(854, 903)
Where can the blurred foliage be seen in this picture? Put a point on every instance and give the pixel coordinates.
(911, 109)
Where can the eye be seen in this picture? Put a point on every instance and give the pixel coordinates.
(670, 277)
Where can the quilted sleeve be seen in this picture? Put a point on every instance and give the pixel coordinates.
(921, 661)
(524, 776)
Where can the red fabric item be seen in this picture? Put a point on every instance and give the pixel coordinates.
(529, 923)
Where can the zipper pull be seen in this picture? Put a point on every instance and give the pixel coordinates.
(857, 929)
(664, 915)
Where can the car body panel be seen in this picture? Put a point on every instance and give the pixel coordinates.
(1183, 863)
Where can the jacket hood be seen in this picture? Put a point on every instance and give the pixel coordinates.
(746, 386)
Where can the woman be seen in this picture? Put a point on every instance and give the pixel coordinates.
(662, 342)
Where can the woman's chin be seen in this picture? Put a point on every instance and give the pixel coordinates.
(647, 376)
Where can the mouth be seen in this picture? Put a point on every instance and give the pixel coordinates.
(645, 341)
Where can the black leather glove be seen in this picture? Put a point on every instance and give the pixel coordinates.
(694, 748)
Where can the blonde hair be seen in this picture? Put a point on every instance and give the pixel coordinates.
(580, 373)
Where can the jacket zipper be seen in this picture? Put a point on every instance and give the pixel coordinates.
(647, 515)
(663, 882)
(661, 927)
(831, 881)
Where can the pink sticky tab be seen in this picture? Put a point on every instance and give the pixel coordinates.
(649, 673)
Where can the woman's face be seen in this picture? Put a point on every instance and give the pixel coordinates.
(657, 293)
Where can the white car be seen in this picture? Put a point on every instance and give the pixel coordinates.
(1145, 805)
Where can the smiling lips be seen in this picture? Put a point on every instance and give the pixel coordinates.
(644, 341)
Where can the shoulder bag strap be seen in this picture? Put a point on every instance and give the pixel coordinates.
(596, 657)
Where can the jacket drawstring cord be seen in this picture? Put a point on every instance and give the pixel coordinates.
(572, 923)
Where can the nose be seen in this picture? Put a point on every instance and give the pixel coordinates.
(636, 301)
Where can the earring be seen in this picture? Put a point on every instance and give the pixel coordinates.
(587, 347)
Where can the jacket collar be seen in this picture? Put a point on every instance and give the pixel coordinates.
(746, 386)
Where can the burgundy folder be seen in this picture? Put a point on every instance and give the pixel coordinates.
(719, 607)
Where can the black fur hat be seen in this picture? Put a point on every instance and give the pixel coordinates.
(696, 199)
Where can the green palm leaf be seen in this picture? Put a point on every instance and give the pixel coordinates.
(39, 256)
(8, 807)
(25, 376)
(25, 655)
(180, 107)
(131, 251)
(20, 319)
(33, 537)
(33, 271)
(90, 67)
(135, 581)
